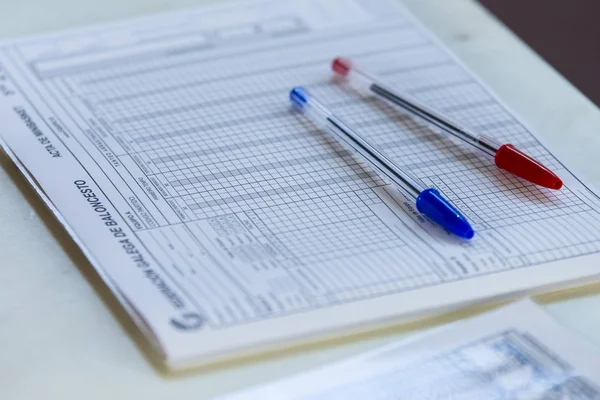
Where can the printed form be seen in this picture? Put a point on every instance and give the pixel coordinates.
(516, 353)
(227, 224)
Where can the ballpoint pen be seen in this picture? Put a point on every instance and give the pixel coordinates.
(506, 156)
(428, 200)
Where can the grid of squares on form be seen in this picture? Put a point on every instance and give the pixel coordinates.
(328, 219)
(186, 116)
(189, 173)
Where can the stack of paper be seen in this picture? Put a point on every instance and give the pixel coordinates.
(227, 224)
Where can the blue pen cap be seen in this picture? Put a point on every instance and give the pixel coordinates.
(431, 203)
(298, 96)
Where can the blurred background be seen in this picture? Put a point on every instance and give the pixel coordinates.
(566, 33)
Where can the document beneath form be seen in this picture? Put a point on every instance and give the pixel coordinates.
(515, 353)
(227, 224)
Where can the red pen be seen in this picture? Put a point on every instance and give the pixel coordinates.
(506, 156)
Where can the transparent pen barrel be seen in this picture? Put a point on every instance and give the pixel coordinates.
(316, 113)
(487, 144)
(355, 144)
(433, 117)
(409, 185)
(360, 81)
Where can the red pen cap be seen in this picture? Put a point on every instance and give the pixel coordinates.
(513, 160)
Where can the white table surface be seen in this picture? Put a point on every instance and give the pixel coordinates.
(63, 335)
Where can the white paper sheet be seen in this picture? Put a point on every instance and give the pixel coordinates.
(515, 353)
(227, 224)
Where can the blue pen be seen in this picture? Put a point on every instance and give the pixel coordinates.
(428, 200)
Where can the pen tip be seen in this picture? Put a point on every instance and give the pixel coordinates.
(515, 161)
(341, 65)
